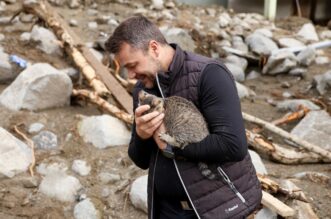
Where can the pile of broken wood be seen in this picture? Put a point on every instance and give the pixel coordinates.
(107, 85)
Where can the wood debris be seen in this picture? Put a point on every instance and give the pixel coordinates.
(300, 142)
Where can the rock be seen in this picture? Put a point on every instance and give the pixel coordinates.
(286, 94)
(73, 22)
(73, 73)
(25, 37)
(2, 37)
(315, 128)
(323, 82)
(236, 71)
(105, 192)
(257, 162)
(253, 74)
(308, 32)
(92, 12)
(74, 4)
(179, 36)
(325, 35)
(26, 18)
(48, 42)
(138, 193)
(236, 60)
(306, 56)
(265, 213)
(238, 43)
(322, 60)
(60, 186)
(261, 44)
(301, 72)
(294, 104)
(81, 167)
(224, 20)
(243, 91)
(264, 32)
(45, 140)
(35, 128)
(7, 73)
(290, 42)
(92, 25)
(106, 178)
(15, 156)
(40, 86)
(280, 62)
(104, 131)
(30, 182)
(86, 210)
(157, 4)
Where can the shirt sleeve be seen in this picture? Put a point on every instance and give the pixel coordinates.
(140, 150)
(220, 105)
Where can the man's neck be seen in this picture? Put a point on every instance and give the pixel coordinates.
(169, 55)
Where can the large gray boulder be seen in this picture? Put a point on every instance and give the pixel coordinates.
(261, 44)
(40, 86)
(280, 62)
(294, 105)
(138, 193)
(315, 128)
(179, 36)
(46, 39)
(15, 156)
(104, 131)
(323, 82)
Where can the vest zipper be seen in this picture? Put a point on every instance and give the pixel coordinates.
(152, 207)
(228, 181)
(188, 196)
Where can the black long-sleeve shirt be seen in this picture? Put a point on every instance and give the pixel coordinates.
(220, 105)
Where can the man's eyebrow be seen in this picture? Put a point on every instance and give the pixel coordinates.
(128, 64)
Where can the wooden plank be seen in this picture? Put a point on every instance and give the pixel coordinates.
(73, 42)
(276, 205)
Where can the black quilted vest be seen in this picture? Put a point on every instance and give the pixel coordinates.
(211, 199)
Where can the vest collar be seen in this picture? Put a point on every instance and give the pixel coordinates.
(175, 67)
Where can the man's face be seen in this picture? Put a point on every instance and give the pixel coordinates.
(141, 65)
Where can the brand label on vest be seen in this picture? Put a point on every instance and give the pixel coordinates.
(231, 209)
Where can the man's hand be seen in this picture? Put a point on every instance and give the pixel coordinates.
(161, 144)
(147, 124)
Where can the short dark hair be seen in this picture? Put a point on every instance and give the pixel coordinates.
(137, 31)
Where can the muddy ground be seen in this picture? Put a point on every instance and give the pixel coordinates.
(17, 201)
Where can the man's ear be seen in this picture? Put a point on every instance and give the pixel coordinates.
(154, 47)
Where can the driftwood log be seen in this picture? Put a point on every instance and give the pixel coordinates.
(273, 187)
(95, 72)
(113, 110)
(300, 142)
(282, 154)
(276, 205)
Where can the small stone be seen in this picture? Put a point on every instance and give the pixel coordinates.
(81, 167)
(106, 178)
(105, 192)
(301, 72)
(2, 37)
(45, 140)
(30, 182)
(92, 25)
(285, 84)
(92, 12)
(253, 74)
(308, 32)
(290, 42)
(86, 209)
(306, 56)
(25, 37)
(73, 22)
(35, 128)
(287, 94)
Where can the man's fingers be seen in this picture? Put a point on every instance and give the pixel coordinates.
(141, 109)
(147, 118)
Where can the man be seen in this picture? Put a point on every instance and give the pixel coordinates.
(176, 188)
